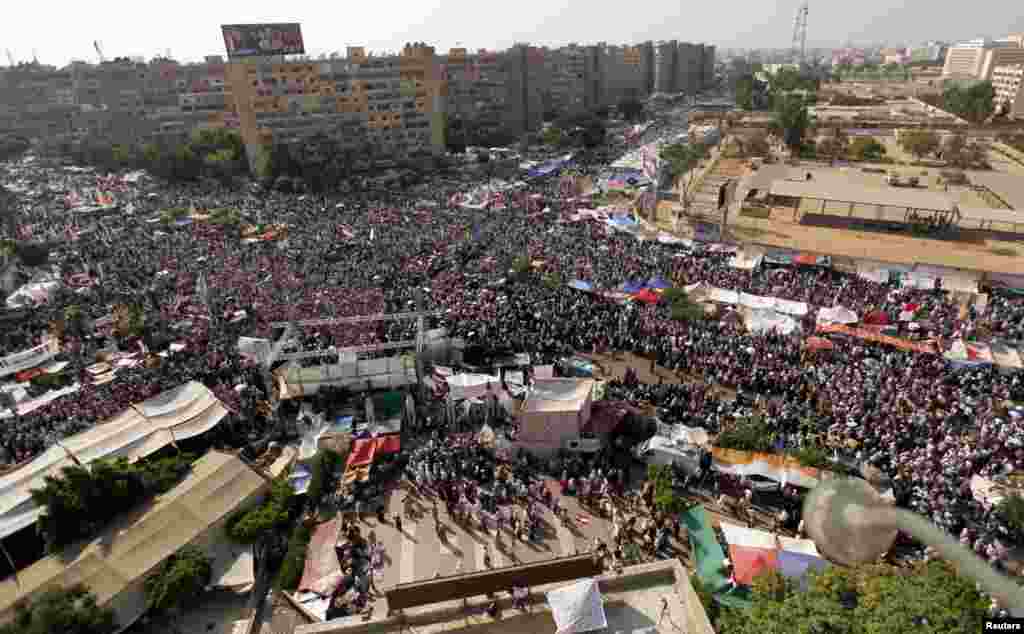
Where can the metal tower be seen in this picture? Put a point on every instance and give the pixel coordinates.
(800, 35)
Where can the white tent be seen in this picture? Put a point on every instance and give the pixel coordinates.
(554, 412)
(837, 315)
(472, 385)
(578, 608)
(178, 414)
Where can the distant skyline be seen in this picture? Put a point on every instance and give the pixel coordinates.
(191, 29)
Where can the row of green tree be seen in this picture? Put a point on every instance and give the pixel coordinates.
(928, 597)
(956, 150)
(213, 152)
(83, 499)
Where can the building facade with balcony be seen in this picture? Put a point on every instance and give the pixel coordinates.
(391, 106)
(1008, 82)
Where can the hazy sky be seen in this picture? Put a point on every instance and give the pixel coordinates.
(63, 30)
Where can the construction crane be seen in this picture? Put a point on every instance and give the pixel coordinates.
(800, 35)
(10, 58)
(99, 51)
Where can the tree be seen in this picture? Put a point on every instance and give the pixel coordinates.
(121, 154)
(68, 611)
(957, 151)
(682, 307)
(975, 103)
(683, 159)
(835, 145)
(631, 109)
(866, 149)
(666, 500)
(929, 598)
(1011, 510)
(552, 136)
(745, 92)
(919, 143)
(792, 120)
(81, 500)
(32, 253)
(252, 525)
(180, 579)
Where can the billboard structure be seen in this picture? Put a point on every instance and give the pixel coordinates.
(262, 40)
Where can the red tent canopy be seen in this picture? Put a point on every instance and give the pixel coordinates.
(362, 452)
(819, 343)
(647, 296)
(391, 443)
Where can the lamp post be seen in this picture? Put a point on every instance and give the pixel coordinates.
(851, 524)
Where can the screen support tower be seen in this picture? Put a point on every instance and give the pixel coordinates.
(800, 35)
(291, 326)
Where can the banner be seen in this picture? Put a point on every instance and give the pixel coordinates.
(254, 40)
(869, 335)
(12, 364)
(780, 468)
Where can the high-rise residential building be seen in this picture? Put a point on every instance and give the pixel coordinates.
(1008, 82)
(976, 59)
(665, 62)
(567, 68)
(477, 90)
(384, 106)
(391, 105)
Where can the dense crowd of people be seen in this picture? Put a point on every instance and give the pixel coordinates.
(914, 416)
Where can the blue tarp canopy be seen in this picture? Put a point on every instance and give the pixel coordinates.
(622, 221)
(581, 285)
(658, 282)
(632, 287)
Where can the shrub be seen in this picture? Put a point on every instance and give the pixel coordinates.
(325, 465)
(252, 525)
(68, 611)
(812, 456)
(751, 434)
(180, 579)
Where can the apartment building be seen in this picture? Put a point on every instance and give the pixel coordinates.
(567, 67)
(388, 106)
(977, 59)
(623, 72)
(665, 58)
(1008, 82)
(394, 104)
(477, 89)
